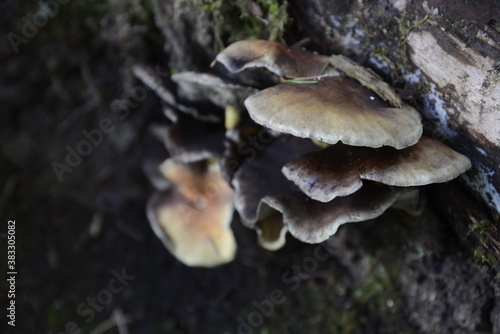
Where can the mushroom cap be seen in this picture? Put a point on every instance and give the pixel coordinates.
(196, 87)
(190, 140)
(339, 170)
(260, 176)
(335, 109)
(274, 56)
(192, 219)
(314, 222)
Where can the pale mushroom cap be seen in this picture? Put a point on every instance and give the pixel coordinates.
(314, 222)
(193, 219)
(274, 56)
(340, 169)
(335, 109)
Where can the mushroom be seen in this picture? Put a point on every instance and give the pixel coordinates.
(190, 140)
(339, 170)
(313, 222)
(201, 87)
(335, 109)
(182, 139)
(260, 176)
(265, 199)
(275, 57)
(192, 218)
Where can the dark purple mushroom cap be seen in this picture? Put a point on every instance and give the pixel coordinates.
(314, 222)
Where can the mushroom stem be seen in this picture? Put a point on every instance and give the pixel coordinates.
(232, 117)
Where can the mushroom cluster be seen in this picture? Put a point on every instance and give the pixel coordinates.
(318, 142)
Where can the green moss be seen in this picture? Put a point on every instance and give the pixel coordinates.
(240, 19)
(405, 27)
(488, 251)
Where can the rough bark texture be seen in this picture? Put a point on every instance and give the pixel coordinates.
(436, 273)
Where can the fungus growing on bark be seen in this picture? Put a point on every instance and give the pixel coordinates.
(361, 136)
(198, 87)
(260, 177)
(335, 109)
(275, 57)
(182, 139)
(313, 222)
(339, 170)
(192, 218)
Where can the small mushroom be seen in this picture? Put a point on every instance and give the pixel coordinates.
(195, 87)
(202, 87)
(314, 222)
(260, 176)
(335, 109)
(190, 140)
(339, 170)
(275, 57)
(192, 218)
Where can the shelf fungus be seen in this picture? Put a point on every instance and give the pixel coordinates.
(192, 218)
(335, 109)
(371, 154)
(339, 170)
(197, 88)
(275, 57)
(261, 177)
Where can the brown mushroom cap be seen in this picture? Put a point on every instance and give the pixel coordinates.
(314, 222)
(274, 56)
(192, 219)
(335, 109)
(190, 140)
(339, 170)
(261, 176)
